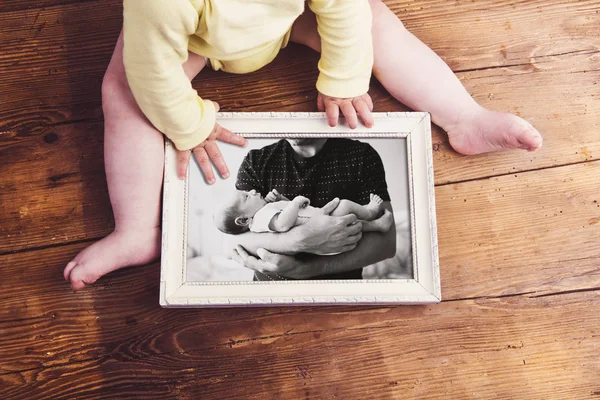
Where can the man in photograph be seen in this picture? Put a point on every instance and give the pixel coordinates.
(324, 171)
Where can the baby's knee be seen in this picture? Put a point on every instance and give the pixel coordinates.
(114, 80)
(115, 90)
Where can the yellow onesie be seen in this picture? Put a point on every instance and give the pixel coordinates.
(237, 36)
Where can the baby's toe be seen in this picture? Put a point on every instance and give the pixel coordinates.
(77, 285)
(81, 277)
(68, 269)
(77, 280)
(535, 140)
(527, 136)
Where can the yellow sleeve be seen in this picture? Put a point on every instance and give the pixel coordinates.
(346, 46)
(156, 36)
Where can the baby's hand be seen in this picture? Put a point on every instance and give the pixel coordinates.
(272, 196)
(352, 108)
(208, 151)
(302, 201)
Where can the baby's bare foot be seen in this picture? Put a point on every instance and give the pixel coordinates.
(374, 205)
(117, 250)
(381, 224)
(487, 131)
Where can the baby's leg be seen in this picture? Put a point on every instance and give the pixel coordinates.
(366, 213)
(381, 224)
(133, 157)
(418, 78)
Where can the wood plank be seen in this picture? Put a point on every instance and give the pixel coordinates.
(530, 232)
(484, 34)
(114, 341)
(52, 61)
(53, 189)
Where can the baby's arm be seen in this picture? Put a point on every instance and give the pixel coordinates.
(286, 219)
(155, 48)
(346, 59)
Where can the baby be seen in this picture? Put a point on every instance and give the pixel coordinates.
(275, 213)
(146, 93)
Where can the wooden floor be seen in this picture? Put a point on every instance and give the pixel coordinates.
(519, 233)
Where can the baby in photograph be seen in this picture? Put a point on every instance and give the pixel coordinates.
(249, 211)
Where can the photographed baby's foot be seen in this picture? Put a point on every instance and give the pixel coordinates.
(373, 198)
(381, 224)
(488, 131)
(374, 205)
(117, 250)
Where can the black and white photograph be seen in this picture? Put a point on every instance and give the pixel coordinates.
(303, 208)
(309, 214)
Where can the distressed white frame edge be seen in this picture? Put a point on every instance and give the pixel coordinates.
(424, 289)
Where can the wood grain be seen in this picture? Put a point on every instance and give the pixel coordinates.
(110, 342)
(529, 232)
(17, 5)
(518, 232)
(53, 189)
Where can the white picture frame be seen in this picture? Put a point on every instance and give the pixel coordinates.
(423, 286)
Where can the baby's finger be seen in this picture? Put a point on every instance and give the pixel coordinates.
(225, 135)
(333, 113)
(350, 114)
(320, 103)
(183, 159)
(367, 98)
(204, 163)
(214, 153)
(363, 111)
(217, 106)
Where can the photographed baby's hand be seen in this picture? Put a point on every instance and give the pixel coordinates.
(272, 196)
(208, 151)
(352, 109)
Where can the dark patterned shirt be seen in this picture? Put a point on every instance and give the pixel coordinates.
(344, 168)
